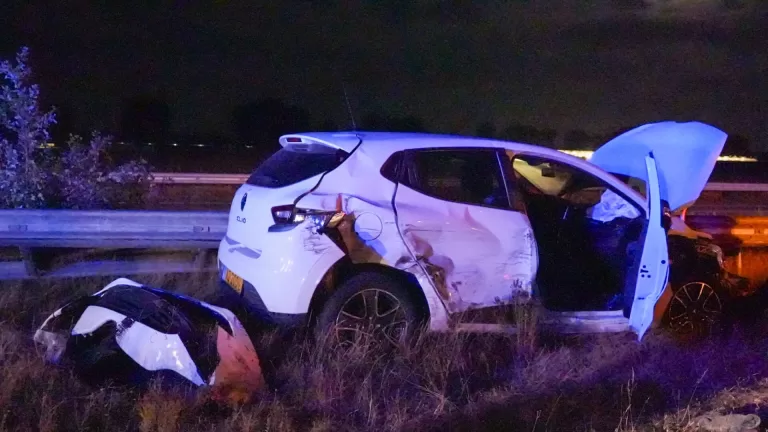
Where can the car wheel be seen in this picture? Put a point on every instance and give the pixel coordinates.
(696, 309)
(368, 307)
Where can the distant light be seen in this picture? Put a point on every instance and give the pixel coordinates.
(248, 146)
(736, 159)
(149, 144)
(175, 144)
(586, 154)
(199, 145)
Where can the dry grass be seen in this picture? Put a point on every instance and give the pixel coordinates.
(443, 382)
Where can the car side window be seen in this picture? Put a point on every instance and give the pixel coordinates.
(577, 187)
(546, 176)
(463, 176)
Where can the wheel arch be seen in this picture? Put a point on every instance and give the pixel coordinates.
(344, 269)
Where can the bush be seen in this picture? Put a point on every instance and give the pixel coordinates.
(86, 177)
(33, 175)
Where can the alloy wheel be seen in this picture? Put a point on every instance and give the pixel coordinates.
(371, 314)
(695, 307)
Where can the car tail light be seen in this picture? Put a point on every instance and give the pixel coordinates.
(290, 215)
(282, 214)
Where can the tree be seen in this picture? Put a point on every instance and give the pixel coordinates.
(145, 119)
(32, 176)
(23, 131)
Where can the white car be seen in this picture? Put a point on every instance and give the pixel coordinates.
(382, 232)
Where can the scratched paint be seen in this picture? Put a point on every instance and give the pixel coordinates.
(486, 256)
(372, 195)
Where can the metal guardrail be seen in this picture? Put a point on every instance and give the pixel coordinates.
(199, 178)
(31, 230)
(735, 231)
(36, 232)
(235, 179)
(111, 229)
(736, 187)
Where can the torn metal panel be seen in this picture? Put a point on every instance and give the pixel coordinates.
(475, 256)
(368, 230)
(127, 331)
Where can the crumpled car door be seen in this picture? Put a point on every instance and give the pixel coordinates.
(476, 255)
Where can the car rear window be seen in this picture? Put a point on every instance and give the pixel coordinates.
(295, 163)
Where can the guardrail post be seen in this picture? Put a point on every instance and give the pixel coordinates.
(29, 263)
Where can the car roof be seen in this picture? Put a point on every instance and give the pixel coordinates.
(383, 144)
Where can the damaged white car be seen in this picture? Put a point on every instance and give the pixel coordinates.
(371, 232)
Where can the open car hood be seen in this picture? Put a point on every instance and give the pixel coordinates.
(685, 155)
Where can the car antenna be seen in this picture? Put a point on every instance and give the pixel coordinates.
(349, 107)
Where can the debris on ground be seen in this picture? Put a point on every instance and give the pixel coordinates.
(129, 333)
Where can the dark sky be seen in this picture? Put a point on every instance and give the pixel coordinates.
(553, 63)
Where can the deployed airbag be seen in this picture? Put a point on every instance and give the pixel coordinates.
(129, 333)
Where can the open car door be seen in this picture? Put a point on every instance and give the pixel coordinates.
(646, 285)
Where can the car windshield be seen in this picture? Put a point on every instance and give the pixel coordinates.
(295, 163)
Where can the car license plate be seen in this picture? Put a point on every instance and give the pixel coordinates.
(233, 280)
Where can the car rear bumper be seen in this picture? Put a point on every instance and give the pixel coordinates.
(251, 304)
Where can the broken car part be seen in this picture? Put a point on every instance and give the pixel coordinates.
(130, 333)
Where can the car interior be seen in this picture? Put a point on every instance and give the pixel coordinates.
(583, 261)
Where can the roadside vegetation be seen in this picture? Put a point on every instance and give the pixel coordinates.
(467, 382)
(78, 174)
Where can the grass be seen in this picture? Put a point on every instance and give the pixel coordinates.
(444, 382)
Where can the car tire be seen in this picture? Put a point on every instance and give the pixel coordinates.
(697, 309)
(369, 304)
